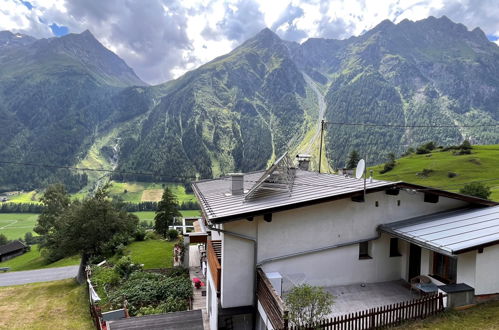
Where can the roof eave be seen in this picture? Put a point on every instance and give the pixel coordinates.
(246, 215)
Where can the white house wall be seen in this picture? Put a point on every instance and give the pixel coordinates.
(487, 268)
(466, 268)
(319, 226)
(238, 267)
(212, 301)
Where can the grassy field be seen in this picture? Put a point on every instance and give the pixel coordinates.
(481, 164)
(25, 197)
(145, 191)
(481, 317)
(152, 253)
(49, 305)
(15, 225)
(33, 260)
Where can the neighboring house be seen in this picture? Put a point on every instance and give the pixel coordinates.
(11, 250)
(329, 230)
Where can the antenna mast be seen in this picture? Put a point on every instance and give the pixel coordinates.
(320, 148)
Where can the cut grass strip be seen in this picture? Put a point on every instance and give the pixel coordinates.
(48, 305)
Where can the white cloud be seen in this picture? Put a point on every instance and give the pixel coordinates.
(161, 39)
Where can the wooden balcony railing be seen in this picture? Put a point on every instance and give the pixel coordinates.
(214, 250)
(271, 302)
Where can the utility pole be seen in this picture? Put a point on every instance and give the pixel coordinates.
(320, 148)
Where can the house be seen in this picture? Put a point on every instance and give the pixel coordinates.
(286, 225)
(11, 250)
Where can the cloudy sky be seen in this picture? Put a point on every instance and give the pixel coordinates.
(162, 39)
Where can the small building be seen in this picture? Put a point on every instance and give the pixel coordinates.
(11, 250)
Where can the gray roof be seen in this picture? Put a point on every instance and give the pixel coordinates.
(11, 247)
(219, 205)
(450, 232)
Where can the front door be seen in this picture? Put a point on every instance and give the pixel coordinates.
(414, 261)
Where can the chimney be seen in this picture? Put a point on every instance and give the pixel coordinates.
(237, 183)
(303, 161)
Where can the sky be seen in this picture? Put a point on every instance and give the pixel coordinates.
(162, 39)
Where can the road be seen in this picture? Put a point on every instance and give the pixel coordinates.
(38, 275)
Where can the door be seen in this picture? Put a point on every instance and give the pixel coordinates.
(414, 261)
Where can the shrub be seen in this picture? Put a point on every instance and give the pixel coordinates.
(451, 174)
(308, 304)
(152, 235)
(151, 290)
(125, 267)
(425, 148)
(425, 173)
(172, 234)
(476, 189)
(140, 234)
(104, 276)
(169, 305)
(177, 271)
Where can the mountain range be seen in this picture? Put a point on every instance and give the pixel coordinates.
(69, 101)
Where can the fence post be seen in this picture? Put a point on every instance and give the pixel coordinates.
(286, 321)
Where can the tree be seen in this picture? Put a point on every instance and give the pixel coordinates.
(56, 202)
(166, 212)
(308, 304)
(476, 189)
(390, 164)
(353, 159)
(90, 227)
(3, 239)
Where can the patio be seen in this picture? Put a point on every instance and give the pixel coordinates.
(358, 297)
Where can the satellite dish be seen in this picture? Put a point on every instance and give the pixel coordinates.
(359, 171)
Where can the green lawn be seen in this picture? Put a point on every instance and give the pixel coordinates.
(33, 260)
(485, 316)
(152, 253)
(15, 225)
(48, 305)
(481, 164)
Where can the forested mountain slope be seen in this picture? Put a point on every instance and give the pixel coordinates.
(238, 112)
(54, 96)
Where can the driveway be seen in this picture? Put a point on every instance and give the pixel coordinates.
(38, 275)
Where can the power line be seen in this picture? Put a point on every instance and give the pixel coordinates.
(406, 126)
(166, 177)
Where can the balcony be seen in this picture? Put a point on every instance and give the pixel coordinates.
(214, 254)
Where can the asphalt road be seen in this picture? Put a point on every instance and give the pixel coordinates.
(38, 275)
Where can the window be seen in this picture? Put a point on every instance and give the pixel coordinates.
(444, 268)
(364, 250)
(394, 247)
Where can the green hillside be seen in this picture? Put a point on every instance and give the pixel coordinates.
(480, 165)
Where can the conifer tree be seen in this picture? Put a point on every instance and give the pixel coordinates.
(166, 212)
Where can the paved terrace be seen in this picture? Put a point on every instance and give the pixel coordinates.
(355, 298)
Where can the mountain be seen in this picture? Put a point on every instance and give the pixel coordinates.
(70, 101)
(55, 94)
(430, 72)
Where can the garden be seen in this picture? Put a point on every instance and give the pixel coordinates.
(142, 292)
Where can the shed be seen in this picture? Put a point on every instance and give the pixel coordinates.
(11, 250)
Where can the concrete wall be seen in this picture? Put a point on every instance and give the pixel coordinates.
(211, 301)
(487, 268)
(466, 268)
(319, 226)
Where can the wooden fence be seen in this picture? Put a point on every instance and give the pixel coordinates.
(271, 302)
(384, 316)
